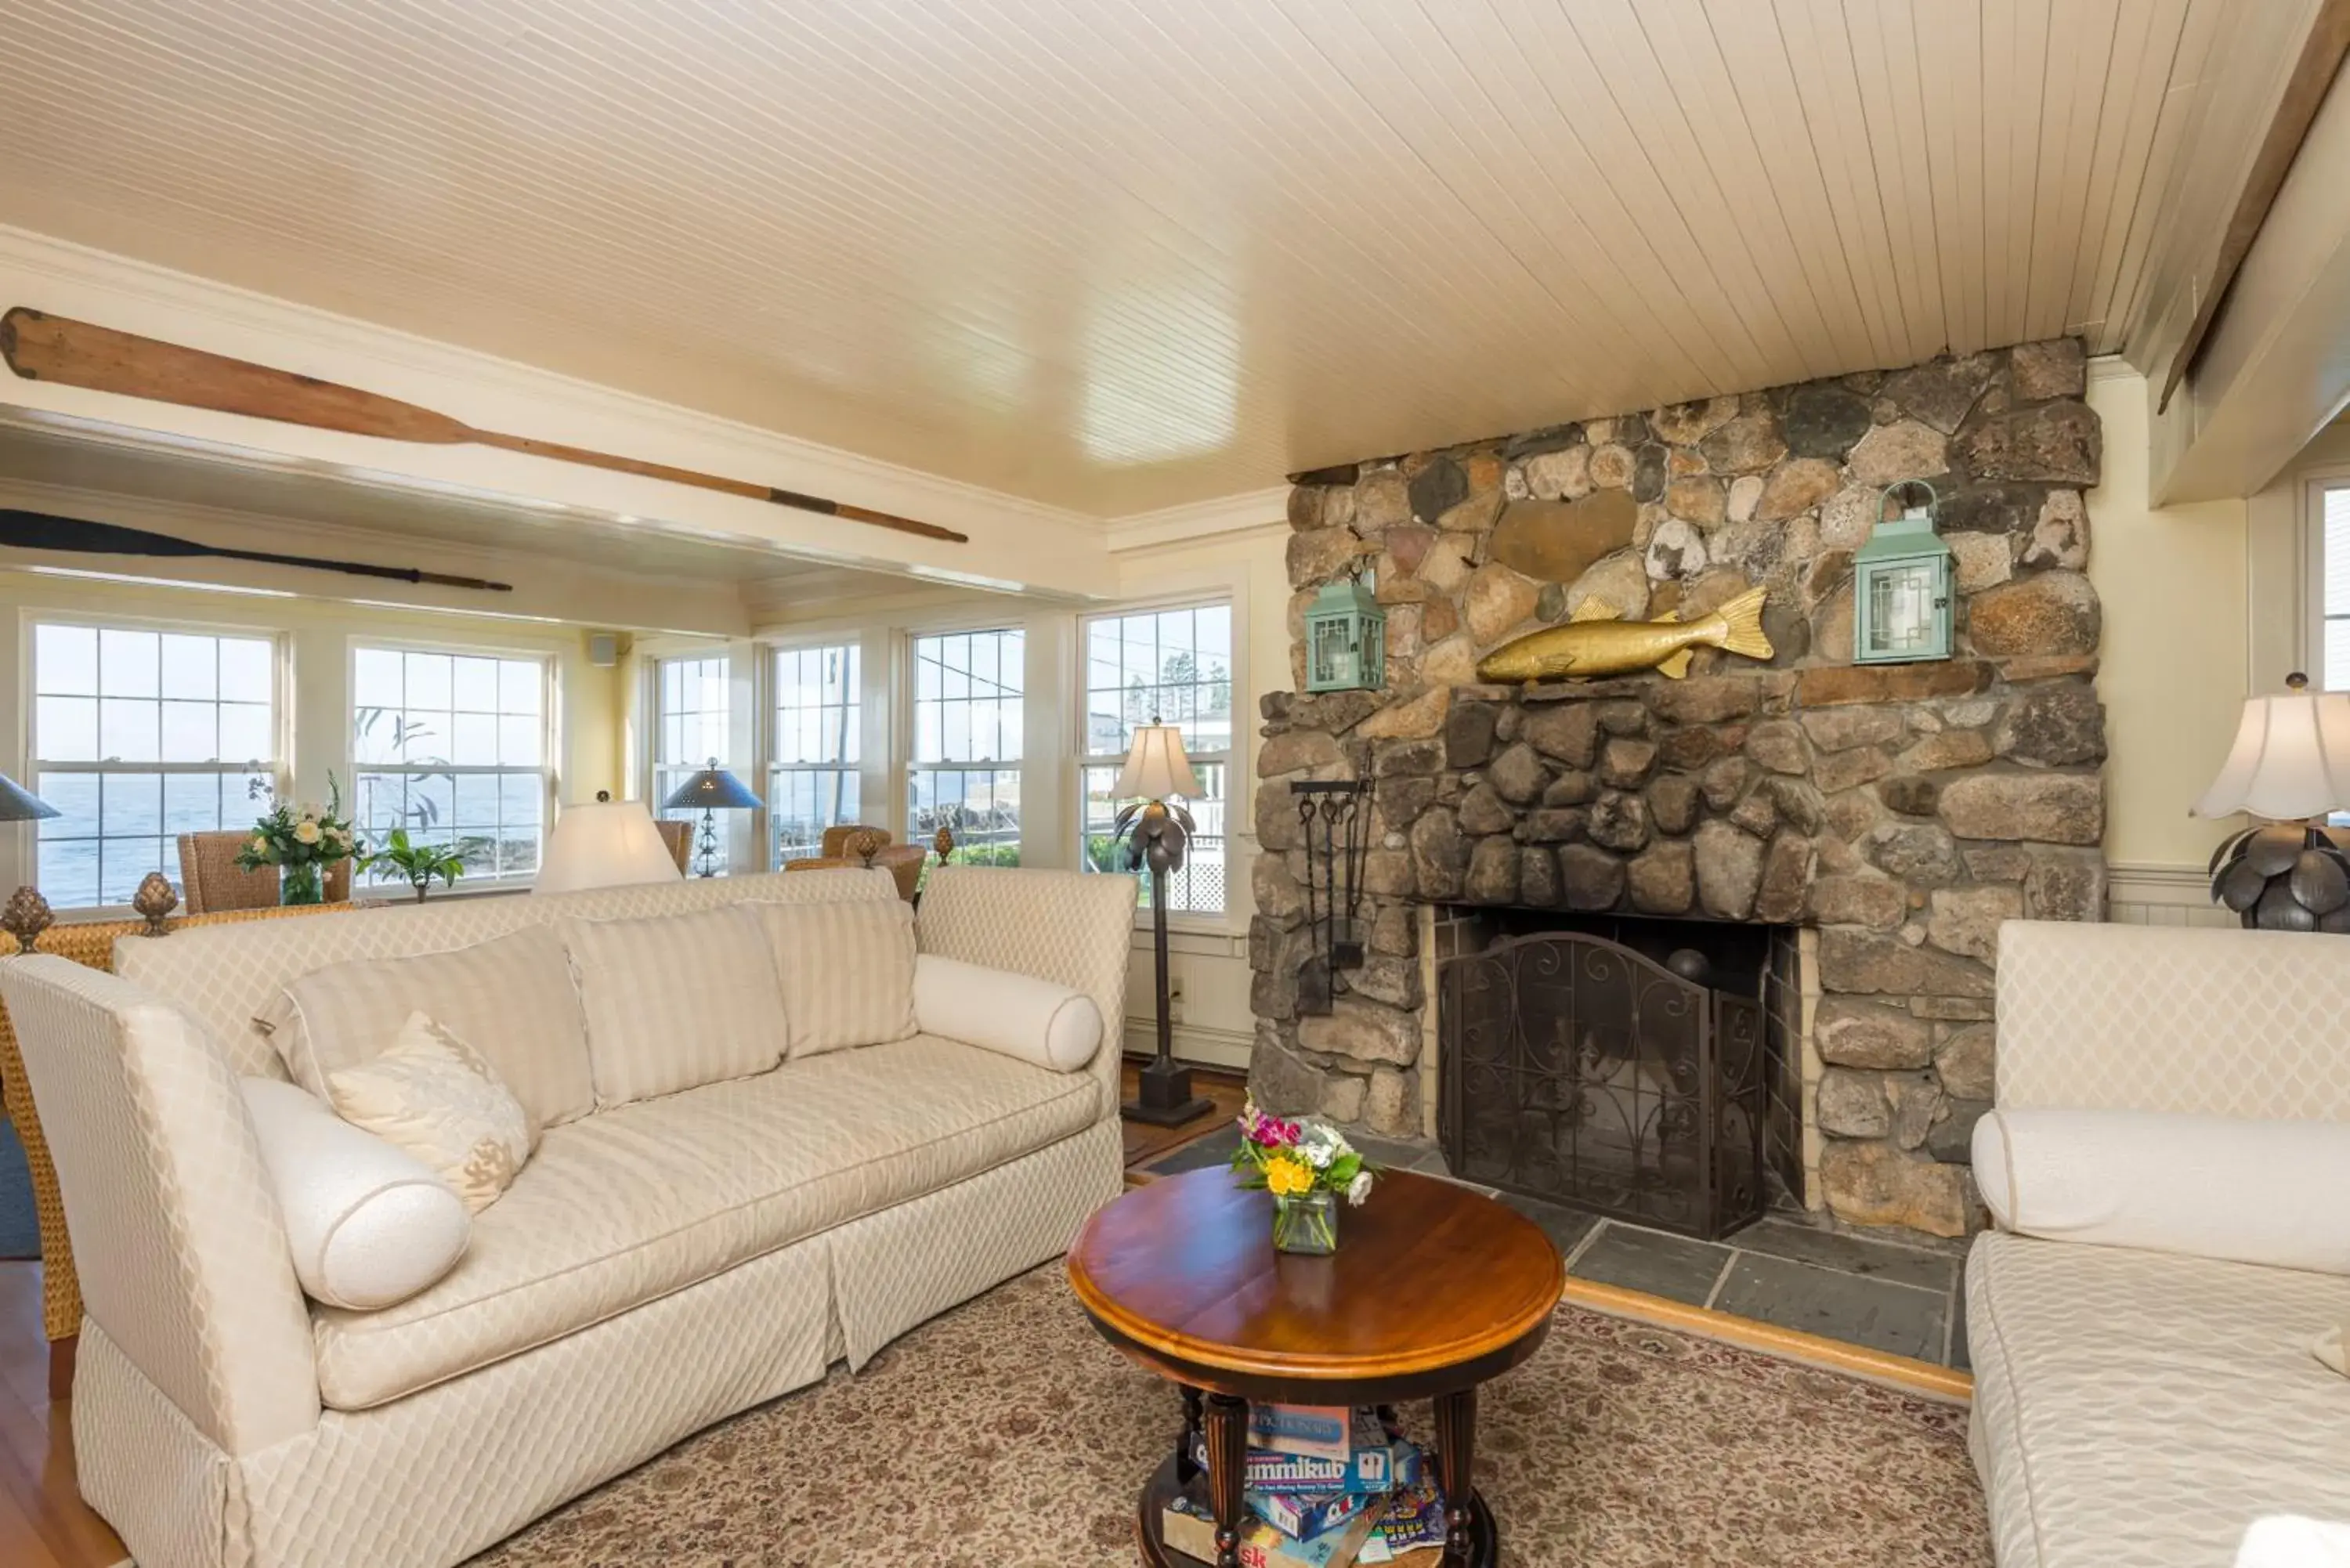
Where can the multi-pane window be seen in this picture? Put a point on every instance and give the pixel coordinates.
(1172, 667)
(969, 687)
(139, 736)
(694, 702)
(813, 782)
(453, 747)
(2331, 503)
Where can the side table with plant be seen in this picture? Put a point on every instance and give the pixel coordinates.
(301, 843)
(419, 863)
(1307, 1165)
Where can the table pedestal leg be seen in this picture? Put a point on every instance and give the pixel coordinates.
(1456, 1458)
(1227, 1428)
(1187, 1468)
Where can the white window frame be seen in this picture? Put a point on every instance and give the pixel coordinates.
(279, 768)
(656, 788)
(906, 685)
(1202, 920)
(862, 767)
(2311, 655)
(550, 707)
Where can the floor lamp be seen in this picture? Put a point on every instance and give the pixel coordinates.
(1156, 829)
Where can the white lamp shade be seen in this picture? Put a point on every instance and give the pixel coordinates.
(1155, 766)
(2291, 760)
(604, 844)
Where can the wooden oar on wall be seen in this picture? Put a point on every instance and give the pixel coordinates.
(44, 347)
(47, 531)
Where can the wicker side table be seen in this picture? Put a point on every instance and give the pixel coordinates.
(91, 943)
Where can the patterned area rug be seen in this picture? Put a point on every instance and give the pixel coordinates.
(1007, 1433)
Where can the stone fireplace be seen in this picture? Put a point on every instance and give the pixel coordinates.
(1890, 815)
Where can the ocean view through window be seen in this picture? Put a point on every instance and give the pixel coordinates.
(813, 778)
(451, 746)
(140, 735)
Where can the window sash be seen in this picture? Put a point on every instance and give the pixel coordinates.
(1204, 886)
(956, 703)
(93, 856)
(502, 859)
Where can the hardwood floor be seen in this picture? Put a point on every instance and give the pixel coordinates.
(43, 1523)
(1226, 1091)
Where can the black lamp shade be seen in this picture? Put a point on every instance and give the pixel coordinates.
(712, 786)
(18, 804)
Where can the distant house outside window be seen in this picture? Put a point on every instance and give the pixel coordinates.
(813, 779)
(453, 746)
(1173, 666)
(969, 689)
(138, 736)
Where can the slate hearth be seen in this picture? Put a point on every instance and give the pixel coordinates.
(1891, 815)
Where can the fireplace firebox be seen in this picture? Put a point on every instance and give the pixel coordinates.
(1627, 1065)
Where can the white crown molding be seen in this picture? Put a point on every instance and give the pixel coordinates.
(2109, 367)
(1199, 519)
(229, 319)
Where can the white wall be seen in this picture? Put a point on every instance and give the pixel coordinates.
(2175, 661)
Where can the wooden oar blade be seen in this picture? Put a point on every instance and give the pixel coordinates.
(44, 347)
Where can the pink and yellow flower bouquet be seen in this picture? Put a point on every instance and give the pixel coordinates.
(1307, 1165)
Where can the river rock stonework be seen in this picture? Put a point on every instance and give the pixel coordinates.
(1902, 810)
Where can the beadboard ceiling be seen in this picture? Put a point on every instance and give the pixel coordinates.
(1121, 256)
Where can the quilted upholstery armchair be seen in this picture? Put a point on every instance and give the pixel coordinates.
(2140, 1405)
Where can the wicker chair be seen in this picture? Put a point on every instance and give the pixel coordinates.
(91, 943)
(846, 846)
(213, 882)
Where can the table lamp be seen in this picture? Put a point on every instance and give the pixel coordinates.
(27, 913)
(605, 843)
(1156, 832)
(713, 789)
(2290, 764)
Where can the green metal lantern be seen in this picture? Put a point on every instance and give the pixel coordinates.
(1901, 585)
(1346, 640)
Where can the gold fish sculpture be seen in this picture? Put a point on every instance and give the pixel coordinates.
(1596, 642)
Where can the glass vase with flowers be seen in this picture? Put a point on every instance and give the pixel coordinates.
(301, 842)
(1307, 1165)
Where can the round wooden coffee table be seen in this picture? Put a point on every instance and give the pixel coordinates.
(1434, 1290)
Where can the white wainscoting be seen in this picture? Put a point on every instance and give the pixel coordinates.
(1213, 1025)
(2154, 895)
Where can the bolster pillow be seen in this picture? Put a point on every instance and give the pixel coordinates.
(1017, 1015)
(370, 1224)
(2211, 1187)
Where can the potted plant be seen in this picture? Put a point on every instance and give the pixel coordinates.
(419, 863)
(301, 843)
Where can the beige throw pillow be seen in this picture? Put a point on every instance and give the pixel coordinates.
(847, 971)
(431, 1094)
(676, 1001)
(513, 997)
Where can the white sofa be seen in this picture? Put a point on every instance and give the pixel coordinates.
(654, 1267)
(2146, 1408)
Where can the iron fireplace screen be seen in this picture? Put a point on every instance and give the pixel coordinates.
(1576, 1069)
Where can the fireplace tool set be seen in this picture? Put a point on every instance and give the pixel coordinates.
(1331, 809)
